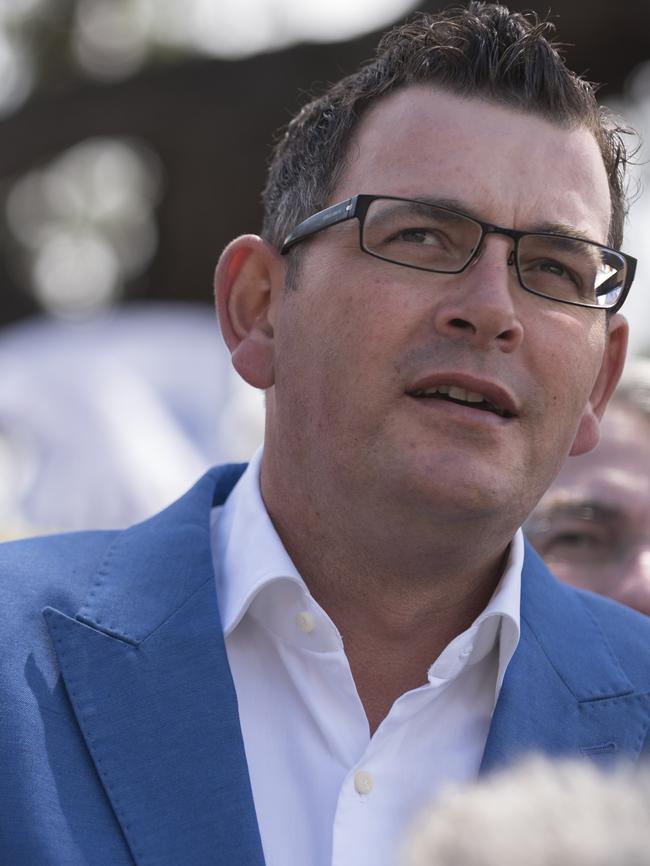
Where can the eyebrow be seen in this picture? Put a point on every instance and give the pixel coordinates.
(563, 229)
(582, 509)
(424, 204)
(543, 227)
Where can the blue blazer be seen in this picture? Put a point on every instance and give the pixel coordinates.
(119, 731)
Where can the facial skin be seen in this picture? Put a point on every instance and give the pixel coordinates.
(374, 491)
(593, 525)
(358, 334)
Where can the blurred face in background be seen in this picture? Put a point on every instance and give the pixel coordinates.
(593, 526)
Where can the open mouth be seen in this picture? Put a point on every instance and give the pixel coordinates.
(463, 397)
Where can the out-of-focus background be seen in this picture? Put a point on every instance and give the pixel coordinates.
(134, 136)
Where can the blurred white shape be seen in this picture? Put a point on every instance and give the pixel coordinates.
(16, 73)
(227, 29)
(75, 272)
(86, 222)
(221, 28)
(112, 39)
(151, 447)
(635, 109)
(104, 421)
(171, 23)
(637, 305)
(637, 84)
(16, 471)
(15, 10)
(111, 36)
(134, 242)
(242, 425)
(23, 208)
(108, 182)
(336, 20)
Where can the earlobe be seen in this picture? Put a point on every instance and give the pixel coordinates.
(247, 279)
(588, 433)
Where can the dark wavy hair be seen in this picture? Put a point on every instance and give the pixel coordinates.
(483, 50)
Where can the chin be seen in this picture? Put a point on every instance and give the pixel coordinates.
(462, 498)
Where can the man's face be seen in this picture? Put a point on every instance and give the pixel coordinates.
(593, 525)
(358, 337)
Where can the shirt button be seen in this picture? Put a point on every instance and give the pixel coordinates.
(305, 622)
(363, 782)
(466, 652)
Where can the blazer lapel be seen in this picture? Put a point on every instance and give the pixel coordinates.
(564, 692)
(145, 667)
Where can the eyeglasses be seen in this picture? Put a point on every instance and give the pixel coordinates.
(429, 237)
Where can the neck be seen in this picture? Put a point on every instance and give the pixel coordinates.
(398, 589)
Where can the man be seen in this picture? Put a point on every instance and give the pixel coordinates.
(287, 663)
(593, 525)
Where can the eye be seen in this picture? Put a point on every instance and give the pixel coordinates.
(423, 236)
(554, 269)
(592, 543)
(575, 541)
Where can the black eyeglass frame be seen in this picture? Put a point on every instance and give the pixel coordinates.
(357, 208)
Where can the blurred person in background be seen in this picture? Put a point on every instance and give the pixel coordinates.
(593, 525)
(285, 664)
(104, 422)
(539, 813)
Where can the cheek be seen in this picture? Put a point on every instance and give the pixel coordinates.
(574, 574)
(571, 355)
(317, 359)
(351, 321)
(604, 577)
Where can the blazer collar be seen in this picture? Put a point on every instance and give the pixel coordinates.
(564, 691)
(153, 567)
(145, 667)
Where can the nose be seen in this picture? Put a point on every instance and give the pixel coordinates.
(477, 304)
(634, 589)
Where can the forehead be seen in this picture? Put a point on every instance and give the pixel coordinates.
(510, 167)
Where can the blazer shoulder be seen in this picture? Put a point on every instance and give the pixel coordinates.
(591, 641)
(626, 631)
(52, 570)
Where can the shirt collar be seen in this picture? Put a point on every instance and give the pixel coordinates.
(498, 625)
(507, 605)
(243, 567)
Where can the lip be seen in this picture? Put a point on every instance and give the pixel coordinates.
(494, 392)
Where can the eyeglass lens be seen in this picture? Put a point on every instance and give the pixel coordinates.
(433, 238)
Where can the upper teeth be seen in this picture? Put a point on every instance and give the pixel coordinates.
(454, 392)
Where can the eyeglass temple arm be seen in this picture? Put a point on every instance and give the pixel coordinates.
(612, 282)
(331, 216)
(609, 284)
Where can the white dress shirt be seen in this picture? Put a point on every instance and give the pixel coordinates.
(326, 792)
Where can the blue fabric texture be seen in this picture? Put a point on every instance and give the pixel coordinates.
(119, 730)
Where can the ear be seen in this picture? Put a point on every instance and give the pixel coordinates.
(248, 278)
(610, 372)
